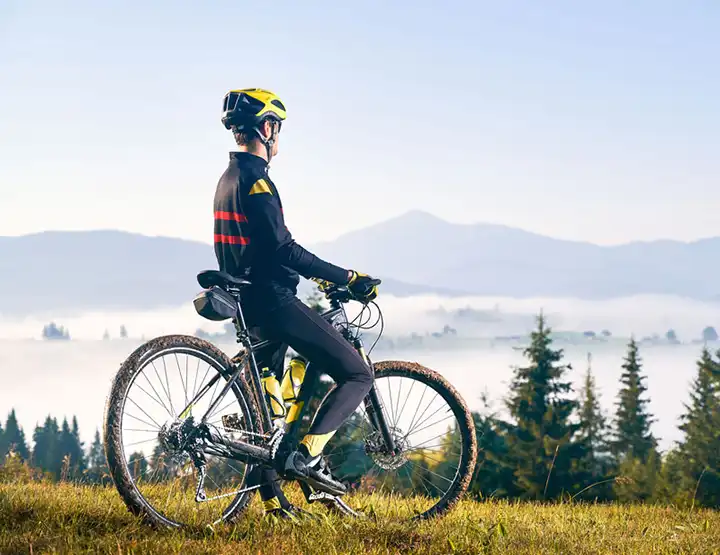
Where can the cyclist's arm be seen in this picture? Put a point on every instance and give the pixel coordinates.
(273, 238)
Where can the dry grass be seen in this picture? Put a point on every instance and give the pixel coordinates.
(46, 518)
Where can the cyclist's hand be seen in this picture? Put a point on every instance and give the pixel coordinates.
(362, 287)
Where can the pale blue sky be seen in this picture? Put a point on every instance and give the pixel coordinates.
(588, 120)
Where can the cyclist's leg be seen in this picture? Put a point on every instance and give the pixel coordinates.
(271, 493)
(313, 337)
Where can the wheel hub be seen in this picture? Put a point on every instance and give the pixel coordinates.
(376, 449)
(176, 438)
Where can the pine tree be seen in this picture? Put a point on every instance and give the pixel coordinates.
(78, 453)
(3, 447)
(594, 463)
(539, 442)
(14, 438)
(632, 435)
(97, 465)
(699, 452)
(46, 453)
(491, 478)
(71, 447)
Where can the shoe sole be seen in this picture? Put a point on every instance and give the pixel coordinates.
(317, 481)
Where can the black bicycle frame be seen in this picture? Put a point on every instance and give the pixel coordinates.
(373, 405)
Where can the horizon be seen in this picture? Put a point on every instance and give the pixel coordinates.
(398, 216)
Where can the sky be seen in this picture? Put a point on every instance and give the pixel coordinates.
(593, 121)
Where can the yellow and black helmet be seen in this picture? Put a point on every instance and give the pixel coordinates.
(247, 108)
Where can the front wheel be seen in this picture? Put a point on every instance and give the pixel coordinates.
(435, 445)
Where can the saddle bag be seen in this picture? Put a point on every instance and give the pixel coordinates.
(215, 304)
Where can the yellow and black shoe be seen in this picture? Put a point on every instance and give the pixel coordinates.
(300, 465)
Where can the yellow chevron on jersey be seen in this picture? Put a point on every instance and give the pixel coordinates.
(260, 186)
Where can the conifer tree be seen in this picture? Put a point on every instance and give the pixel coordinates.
(14, 438)
(594, 463)
(97, 465)
(632, 435)
(699, 452)
(539, 441)
(491, 478)
(46, 452)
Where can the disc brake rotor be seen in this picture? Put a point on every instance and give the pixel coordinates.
(376, 449)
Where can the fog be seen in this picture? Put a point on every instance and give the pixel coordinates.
(65, 378)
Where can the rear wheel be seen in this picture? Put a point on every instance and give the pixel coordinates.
(436, 447)
(148, 435)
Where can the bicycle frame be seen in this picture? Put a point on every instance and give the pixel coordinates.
(373, 404)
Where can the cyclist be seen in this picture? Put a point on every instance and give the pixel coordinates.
(252, 241)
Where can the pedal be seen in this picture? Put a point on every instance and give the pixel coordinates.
(322, 483)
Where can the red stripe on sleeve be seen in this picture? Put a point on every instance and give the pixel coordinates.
(233, 216)
(232, 239)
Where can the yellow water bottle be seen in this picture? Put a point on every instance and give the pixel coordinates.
(290, 386)
(274, 395)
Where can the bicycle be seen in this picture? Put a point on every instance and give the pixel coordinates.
(204, 450)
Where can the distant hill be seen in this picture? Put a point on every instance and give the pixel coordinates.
(497, 260)
(107, 270)
(415, 253)
(98, 270)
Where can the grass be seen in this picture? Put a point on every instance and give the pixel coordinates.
(64, 518)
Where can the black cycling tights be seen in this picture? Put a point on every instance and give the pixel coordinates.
(298, 326)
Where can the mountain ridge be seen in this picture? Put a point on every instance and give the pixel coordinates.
(414, 253)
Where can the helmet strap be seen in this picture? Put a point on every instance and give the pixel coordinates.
(269, 141)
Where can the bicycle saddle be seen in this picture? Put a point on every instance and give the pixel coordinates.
(208, 278)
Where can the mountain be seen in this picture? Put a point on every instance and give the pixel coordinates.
(108, 270)
(498, 260)
(415, 253)
(52, 271)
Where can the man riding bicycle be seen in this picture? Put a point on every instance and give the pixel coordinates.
(252, 241)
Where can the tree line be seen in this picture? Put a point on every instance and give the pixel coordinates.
(57, 452)
(560, 444)
(556, 444)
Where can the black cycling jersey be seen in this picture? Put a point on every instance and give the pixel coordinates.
(251, 238)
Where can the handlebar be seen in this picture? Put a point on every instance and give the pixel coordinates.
(340, 293)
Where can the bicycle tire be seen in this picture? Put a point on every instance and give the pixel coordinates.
(464, 419)
(466, 467)
(114, 451)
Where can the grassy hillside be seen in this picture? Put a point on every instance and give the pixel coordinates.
(40, 518)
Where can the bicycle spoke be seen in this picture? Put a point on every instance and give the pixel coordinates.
(141, 420)
(195, 391)
(168, 386)
(145, 413)
(428, 426)
(154, 390)
(392, 408)
(181, 380)
(153, 398)
(167, 393)
(397, 418)
(417, 408)
(412, 385)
